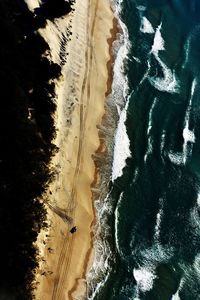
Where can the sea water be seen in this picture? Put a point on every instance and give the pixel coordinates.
(152, 246)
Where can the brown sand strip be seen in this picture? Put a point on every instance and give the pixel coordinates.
(66, 256)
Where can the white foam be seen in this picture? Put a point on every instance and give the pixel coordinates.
(144, 279)
(167, 83)
(150, 115)
(98, 287)
(150, 140)
(122, 146)
(188, 135)
(162, 143)
(155, 255)
(194, 219)
(196, 264)
(150, 259)
(158, 221)
(194, 83)
(120, 80)
(198, 199)
(176, 158)
(137, 59)
(117, 222)
(176, 296)
(187, 49)
(100, 269)
(158, 42)
(99, 272)
(146, 26)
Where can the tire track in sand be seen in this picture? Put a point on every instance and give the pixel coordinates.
(68, 243)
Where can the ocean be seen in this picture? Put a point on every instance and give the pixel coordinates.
(149, 246)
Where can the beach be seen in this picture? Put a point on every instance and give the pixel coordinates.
(66, 257)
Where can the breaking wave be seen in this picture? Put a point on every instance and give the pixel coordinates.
(167, 83)
(146, 26)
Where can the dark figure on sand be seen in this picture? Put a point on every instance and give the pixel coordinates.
(73, 229)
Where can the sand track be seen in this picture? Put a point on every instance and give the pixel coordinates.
(71, 198)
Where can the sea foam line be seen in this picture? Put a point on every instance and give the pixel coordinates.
(117, 222)
(119, 96)
(159, 220)
(188, 135)
(150, 123)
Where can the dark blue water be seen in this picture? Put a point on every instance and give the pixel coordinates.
(155, 224)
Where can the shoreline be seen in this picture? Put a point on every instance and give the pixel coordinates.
(114, 32)
(101, 149)
(70, 194)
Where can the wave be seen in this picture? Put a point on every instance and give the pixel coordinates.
(162, 142)
(195, 220)
(117, 222)
(122, 146)
(158, 220)
(188, 135)
(176, 157)
(98, 287)
(167, 83)
(151, 114)
(189, 283)
(121, 49)
(144, 279)
(176, 295)
(116, 213)
(146, 26)
(137, 59)
(194, 83)
(100, 270)
(186, 50)
(149, 260)
(119, 96)
(149, 127)
(158, 42)
(198, 199)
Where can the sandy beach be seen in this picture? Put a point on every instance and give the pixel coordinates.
(81, 94)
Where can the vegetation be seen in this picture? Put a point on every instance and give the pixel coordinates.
(26, 134)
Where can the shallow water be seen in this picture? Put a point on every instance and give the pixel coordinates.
(153, 222)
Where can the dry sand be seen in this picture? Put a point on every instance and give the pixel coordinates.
(81, 96)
